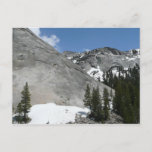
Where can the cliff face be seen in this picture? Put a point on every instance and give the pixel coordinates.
(50, 75)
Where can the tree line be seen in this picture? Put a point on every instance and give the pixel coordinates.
(99, 107)
(126, 84)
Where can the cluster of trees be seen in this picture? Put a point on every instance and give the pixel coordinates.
(99, 108)
(23, 107)
(126, 84)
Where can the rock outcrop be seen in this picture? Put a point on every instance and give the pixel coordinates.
(50, 75)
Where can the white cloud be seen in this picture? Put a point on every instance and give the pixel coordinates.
(36, 31)
(86, 50)
(53, 40)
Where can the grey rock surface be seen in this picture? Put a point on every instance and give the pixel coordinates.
(50, 75)
(105, 58)
(113, 119)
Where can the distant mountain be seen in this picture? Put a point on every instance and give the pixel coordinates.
(50, 75)
(98, 61)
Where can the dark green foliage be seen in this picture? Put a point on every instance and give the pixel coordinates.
(24, 106)
(96, 106)
(19, 118)
(106, 104)
(87, 97)
(98, 112)
(126, 100)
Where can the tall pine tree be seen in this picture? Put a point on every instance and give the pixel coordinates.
(24, 106)
(19, 111)
(96, 106)
(106, 104)
(87, 97)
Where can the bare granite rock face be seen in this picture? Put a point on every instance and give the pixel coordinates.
(50, 75)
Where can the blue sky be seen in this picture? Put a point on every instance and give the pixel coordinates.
(81, 39)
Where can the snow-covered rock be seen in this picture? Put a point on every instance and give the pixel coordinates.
(96, 73)
(74, 61)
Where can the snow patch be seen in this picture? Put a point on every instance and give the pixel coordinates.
(126, 68)
(69, 58)
(111, 105)
(74, 61)
(55, 114)
(116, 72)
(81, 56)
(96, 73)
(131, 59)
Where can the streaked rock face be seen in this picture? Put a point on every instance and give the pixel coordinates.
(50, 75)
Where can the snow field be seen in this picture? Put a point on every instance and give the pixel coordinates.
(55, 114)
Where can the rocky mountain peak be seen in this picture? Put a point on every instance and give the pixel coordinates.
(106, 50)
(97, 61)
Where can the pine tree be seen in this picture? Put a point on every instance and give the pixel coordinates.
(105, 78)
(87, 97)
(26, 102)
(96, 106)
(117, 99)
(126, 102)
(24, 106)
(19, 112)
(106, 104)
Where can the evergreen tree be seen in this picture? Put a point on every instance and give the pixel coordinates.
(19, 111)
(96, 106)
(26, 102)
(126, 100)
(117, 99)
(104, 78)
(87, 97)
(106, 104)
(24, 106)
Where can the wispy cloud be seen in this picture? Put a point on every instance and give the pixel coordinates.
(86, 50)
(53, 40)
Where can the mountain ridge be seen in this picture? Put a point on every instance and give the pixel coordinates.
(119, 52)
(97, 61)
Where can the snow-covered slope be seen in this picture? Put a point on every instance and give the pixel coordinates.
(55, 114)
(134, 51)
